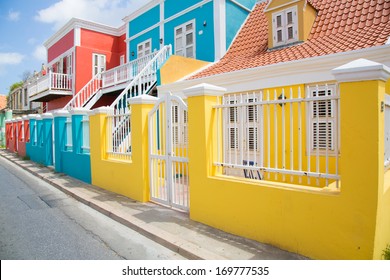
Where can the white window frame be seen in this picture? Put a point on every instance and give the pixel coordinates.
(69, 137)
(183, 50)
(98, 68)
(284, 27)
(85, 147)
(316, 120)
(122, 60)
(69, 65)
(145, 50)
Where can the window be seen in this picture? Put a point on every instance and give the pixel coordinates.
(99, 63)
(35, 134)
(85, 144)
(69, 141)
(322, 118)
(25, 97)
(144, 48)
(69, 64)
(121, 60)
(179, 125)
(185, 39)
(285, 27)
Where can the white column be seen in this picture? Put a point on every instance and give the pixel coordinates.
(219, 28)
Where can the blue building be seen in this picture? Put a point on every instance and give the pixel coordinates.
(200, 29)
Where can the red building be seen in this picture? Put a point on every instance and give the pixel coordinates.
(76, 53)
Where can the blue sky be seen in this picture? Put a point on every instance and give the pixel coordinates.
(26, 24)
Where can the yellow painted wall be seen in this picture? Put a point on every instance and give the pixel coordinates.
(177, 67)
(322, 224)
(130, 179)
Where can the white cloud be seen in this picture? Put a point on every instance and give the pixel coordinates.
(110, 12)
(32, 41)
(11, 58)
(40, 53)
(13, 16)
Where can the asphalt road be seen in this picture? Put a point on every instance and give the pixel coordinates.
(39, 222)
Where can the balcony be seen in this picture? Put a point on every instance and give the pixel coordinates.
(45, 88)
(117, 78)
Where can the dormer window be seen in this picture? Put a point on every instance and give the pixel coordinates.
(285, 27)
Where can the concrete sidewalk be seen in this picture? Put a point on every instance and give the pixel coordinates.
(168, 227)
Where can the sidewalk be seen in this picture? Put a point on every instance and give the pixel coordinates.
(167, 227)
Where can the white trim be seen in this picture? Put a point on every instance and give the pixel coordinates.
(47, 116)
(61, 113)
(142, 99)
(77, 36)
(80, 23)
(80, 111)
(204, 90)
(361, 70)
(219, 28)
(162, 28)
(101, 110)
(64, 54)
(141, 10)
(241, 6)
(303, 71)
(280, 6)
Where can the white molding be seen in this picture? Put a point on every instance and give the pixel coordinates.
(361, 70)
(219, 28)
(47, 116)
(204, 90)
(32, 116)
(61, 113)
(240, 5)
(141, 10)
(80, 111)
(62, 55)
(101, 110)
(142, 99)
(303, 71)
(77, 36)
(80, 23)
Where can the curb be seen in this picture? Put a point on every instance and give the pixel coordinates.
(170, 241)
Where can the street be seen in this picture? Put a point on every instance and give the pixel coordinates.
(39, 222)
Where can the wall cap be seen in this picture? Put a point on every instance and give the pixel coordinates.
(142, 99)
(61, 113)
(47, 116)
(32, 116)
(18, 119)
(101, 110)
(25, 117)
(204, 90)
(361, 70)
(79, 111)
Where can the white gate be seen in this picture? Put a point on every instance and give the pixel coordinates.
(168, 149)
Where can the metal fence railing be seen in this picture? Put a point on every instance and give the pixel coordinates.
(280, 135)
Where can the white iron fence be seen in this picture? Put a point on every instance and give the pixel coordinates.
(119, 136)
(280, 135)
(125, 72)
(387, 131)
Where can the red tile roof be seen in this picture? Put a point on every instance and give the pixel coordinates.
(3, 102)
(340, 26)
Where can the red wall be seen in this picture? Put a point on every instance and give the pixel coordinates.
(64, 44)
(58, 103)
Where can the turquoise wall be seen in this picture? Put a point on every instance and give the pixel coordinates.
(42, 152)
(145, 20)
(172, 7)
(204, 34)
(75, 163)
(154, 34)
(235, 17)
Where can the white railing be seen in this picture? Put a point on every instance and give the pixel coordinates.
(280, 136)
(126, 72)
(84, 95)
(387, 131)
(51, 81)
(119, 136)
(143, 82)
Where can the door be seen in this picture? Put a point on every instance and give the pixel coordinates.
(168, 149)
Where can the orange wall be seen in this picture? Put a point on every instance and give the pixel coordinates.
(64, 44)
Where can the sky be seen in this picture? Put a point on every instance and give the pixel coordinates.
(26, 24)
